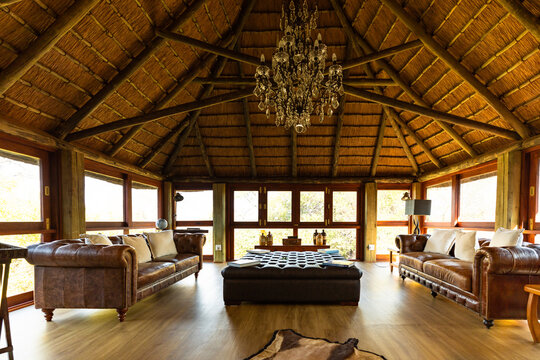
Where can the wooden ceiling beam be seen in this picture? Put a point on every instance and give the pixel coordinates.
(404, 145)
(449, 118)
(191, 74)
(217, 50)
(528, 20)
(158, 147)
(378, 145)
(381, 54)
(361, 45)
(71, 123)
(337, 139)
(289, 180)
(203, 151)
(442, 53)
(294, 153)
(247, 121)
(28, 57)
(245, 81)
(8, 2)
(175, 110)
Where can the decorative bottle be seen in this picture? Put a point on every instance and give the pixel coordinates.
(270, 239)
(315, 237)
(323, 237)
(262, 239)
(319, 241)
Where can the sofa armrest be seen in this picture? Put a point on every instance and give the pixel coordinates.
(515, 260)
(411, 243)
(75, 253)
(190, 243)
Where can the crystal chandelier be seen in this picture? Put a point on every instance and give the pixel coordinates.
(299, 84)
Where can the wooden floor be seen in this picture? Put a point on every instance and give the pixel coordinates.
(189, 321)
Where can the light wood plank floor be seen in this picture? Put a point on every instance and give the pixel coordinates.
(189, 321)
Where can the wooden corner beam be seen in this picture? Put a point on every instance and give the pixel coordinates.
(244, 81)
(247, 121)
(404, 145)
(28, 57)
(206, 159)
(442, 53)
(294, 155)
(378, 145)
(67, 126)
(175, 110)
(528, 20)
(337, 139)
(381, 54)
(8, 2)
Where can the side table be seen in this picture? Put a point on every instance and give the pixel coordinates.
(393, 263)
(7, 253)
(532, 311)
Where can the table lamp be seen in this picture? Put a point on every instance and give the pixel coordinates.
(417, 207)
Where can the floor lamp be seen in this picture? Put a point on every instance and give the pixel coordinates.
(417, 207)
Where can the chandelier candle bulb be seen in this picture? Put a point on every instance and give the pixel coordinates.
(295, 86)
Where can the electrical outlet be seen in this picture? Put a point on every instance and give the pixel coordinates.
(371, 247)
(218, 247)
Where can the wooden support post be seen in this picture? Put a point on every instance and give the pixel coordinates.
(67, 126)
(362, 46)
(294, 156)
(370, 222)
(508, 189)
(27, 58)
(71, 189)
(168, 204)
(203, 150)
(220, 191)
(378, 145)
(249, 137)
(456, 66)
(528, 20)
(404, 144)
(449, 118)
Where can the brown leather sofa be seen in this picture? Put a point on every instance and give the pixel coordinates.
(491, 286)
(72, 274)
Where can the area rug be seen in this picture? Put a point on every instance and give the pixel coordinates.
(289, 345)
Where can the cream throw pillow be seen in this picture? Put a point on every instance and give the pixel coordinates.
(96, 239)
(507, 237)
(141, 247)
(440, 241)
(161, 243)
(466, 245)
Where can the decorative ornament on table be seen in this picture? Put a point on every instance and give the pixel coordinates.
(298, 72)
(161, 224)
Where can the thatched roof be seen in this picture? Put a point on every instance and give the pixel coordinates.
(61, 81)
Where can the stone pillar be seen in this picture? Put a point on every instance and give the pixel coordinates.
(71, 194)
(220, 222)
(370, 222)
(508, 189)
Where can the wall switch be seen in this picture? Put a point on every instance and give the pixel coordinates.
(371, 247)
(218, 247)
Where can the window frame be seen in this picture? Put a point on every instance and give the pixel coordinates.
(393, 223)
(530, 178)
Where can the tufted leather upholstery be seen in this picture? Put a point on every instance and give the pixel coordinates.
(411, 243)
(492, 285)
(72, 274)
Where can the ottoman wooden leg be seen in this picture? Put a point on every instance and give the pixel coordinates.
(532, 317)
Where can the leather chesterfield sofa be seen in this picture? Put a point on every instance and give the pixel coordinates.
(491, 286)
(72, 274)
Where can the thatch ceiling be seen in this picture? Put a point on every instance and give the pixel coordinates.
(482, 35)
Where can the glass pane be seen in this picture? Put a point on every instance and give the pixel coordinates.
(21, 273)
(477, 198)
(386, 237)
(279, 206)
(312, 206)
(115, 232)
(198, 205)
(441, 202)
(537, 201)
(209, 244)
(137, 231)
(342, 239)
(245, 239)
(390, 206)
(344, 206)
(246, 206)
(144, 202)
(20, 187)
(103, 197)
(537, 239)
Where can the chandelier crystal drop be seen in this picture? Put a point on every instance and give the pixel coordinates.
(299, 83)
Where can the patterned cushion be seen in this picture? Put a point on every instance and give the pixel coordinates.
(292, 259)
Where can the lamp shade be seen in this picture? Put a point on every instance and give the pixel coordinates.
(418, 207)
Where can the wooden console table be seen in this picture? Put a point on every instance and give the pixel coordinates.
(7, 253)
(292, 247)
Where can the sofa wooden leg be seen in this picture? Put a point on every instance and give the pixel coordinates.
(403, 277)
(121, 314)
(488, 323)
(197, 275)
(433, 293)
(48, 314)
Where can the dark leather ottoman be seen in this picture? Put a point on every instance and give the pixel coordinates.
(291, 277)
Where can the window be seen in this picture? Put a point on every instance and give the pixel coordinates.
(312, 206)
(441, 202)
(103, 198)
(279, 206)
(245, 239)
(246, 206)
(197, 210)
(144, 202)
(344, 206)
(391, 218)
(342, 239)
(477, 198)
